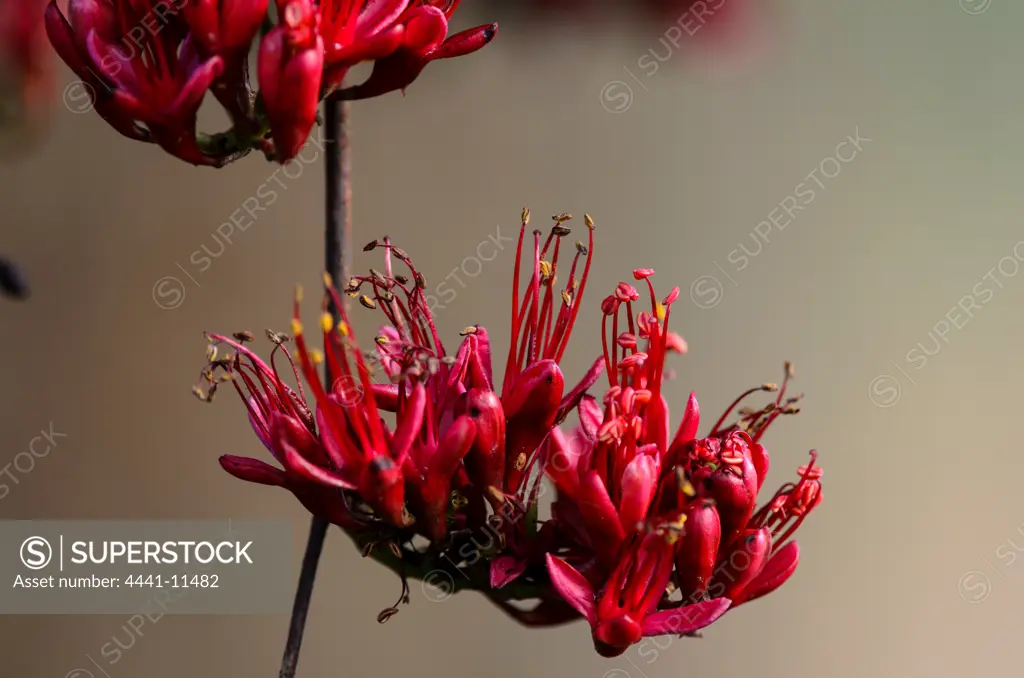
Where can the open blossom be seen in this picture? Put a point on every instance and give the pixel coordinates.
(421, 35)
(147, 64)
(636, 501)
(147, 79)
(452, 431)
(654, 530)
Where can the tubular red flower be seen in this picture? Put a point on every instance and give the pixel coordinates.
(621, 480)
(290, 66)
(626, 607)
(225, 27)
(401, 43)
(147, 81)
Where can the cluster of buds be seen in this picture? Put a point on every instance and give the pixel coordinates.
(649, 533)
(148, 64)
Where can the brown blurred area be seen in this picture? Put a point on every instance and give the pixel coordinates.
(908, 566)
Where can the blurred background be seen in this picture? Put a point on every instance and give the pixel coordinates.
(843, 192)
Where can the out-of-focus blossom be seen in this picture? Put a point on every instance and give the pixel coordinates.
(147, 64)
(26, 69)
(148, 84)
(422, 33)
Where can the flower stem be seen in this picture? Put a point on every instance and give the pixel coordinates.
(303, 595)
(338, 257)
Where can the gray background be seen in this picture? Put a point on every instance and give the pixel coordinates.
(921, 497)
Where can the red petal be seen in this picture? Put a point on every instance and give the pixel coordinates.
(685, 619)
(600, 517)
(253, 470)
(778, 570)
(505, 569)
(735, 573)
(573, 587)
(378, 15)
(688, 426)
(410, 422)
(563, 463)
(639, 481)
(759, 457)
(425, 30)
(299, 464)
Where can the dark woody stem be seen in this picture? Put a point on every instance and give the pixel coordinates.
(338, 257)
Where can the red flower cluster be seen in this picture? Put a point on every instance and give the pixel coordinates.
(148, 64)
(440, 452)
(637, 505)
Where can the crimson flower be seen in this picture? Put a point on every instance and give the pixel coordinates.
(637, 504)
(148, 64)
(148, 84)
(653, 531)
(401, 39)
(450, 431)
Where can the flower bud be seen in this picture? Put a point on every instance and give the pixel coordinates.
(485, 462)
(740, 564)
(698, 550)
(225, 27)
(290, 66)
